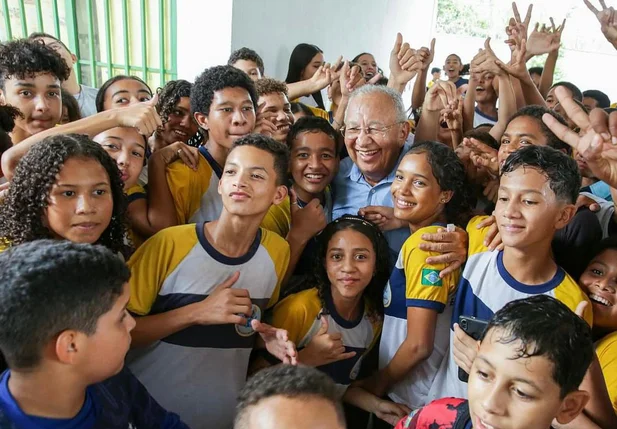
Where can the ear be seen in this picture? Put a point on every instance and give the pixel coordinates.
(279, 195)
(571, 406)
(201, 119)
(565, 216)
(445, 196)
(404, 133)
(73, 59)
(68, 345)
(2, 98)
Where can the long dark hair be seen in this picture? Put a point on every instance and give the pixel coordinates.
(450, 174)
(100, 96)
(373, 294)
(300, 57)
(21, 214)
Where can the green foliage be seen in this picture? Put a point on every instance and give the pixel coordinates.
(460, 17)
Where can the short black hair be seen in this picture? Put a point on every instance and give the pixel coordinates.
(605, 244)
(297, 107)
(99, 102)
(599, 96)
(39, 35)
(546, 327)
(314, 124)
(170, 95)
(23, 58)
(71, 105)
(435, 70)
(8, 114)
(576, 93)
(484, 136)
(216, 79)
(536, 70)
(49, 286)
(536, 112)
(248, 55)
(295, 382)
(279, 152)
(22, 213)
(449, 172)
(560, 169)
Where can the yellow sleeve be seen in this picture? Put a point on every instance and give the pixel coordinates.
(424, 287)
(296, 314)
(569, 293)
(607, 355)
(187, 187)
(154, 261)
(476, 236)
(135, 192)
(279, 252)
(320, 113)
(377, 326)
(278, 218)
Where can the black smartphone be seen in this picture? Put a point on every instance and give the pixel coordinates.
(474, 328)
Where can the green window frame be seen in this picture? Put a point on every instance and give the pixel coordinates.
(109, 37)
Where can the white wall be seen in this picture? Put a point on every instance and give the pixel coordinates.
(344, 27)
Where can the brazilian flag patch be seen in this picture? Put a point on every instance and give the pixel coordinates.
(431, 277)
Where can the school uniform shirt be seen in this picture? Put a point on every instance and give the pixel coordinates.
(134, 193)
(446, 413)
(120, 402)
(480, 118)
(461, 81)
(86, 100)
(414, 283)
(302, 315)
(606, 349)
(605, 215)
(198, 372)
(485, 287)
(195, 193)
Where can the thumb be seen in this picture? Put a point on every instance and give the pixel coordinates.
(323, 329)
(154, 100)
(580, 308)
(314, 202)
(433, 46)
(375, 78)
(229, 282)
(398, 43)
(293, 201)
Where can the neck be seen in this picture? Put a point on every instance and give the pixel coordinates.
(18, 135)
(488, 107)
(38, 394)
(218, 152)
(437, 217)
(233, 235)
(588, 181)
(533, 265)
(306, 196)
(70, 85)
(348, 308)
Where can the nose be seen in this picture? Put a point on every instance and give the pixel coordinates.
(186, 121)
(511, 210)
(85, 205)
(494, 402)
(42, 105)
(130, 321)
(314, 161)
(348, 265)
(240, 181)
(238, 117)
(605, 284)
(123, 159)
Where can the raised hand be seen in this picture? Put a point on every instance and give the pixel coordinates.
(518, 65)
(453, 115)
(544, 40)
(405, 62)
(263, 122)
(180, 150)
(321, 78)
(482, 155)
(439, 96)
(517, 17)
(224, 305)
(608, 20)
(382, 216)
(324, 348)
(428, 55)
(141, 116)
(277, 342)
(597, 140)
(306, 222)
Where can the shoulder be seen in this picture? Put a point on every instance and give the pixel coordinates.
(476, 235)
(299, 303)
(135, 192)
(274, 243)
(278, 218)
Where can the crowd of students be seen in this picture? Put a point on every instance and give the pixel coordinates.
(253, 253)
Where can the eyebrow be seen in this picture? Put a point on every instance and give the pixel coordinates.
(31, 85)
(354, 249)
(321, 149)
(523, 191)
(255, 167)
(518, 134)
(68, 185)
(518, 379)
(415, 174)
(122, 91)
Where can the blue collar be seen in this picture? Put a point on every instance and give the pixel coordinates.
(218, 170)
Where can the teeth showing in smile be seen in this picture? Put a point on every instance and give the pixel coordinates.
(479, 88)
(314, 176)
(600, 300)
(367, 153)
(405, 203)
(180, 133)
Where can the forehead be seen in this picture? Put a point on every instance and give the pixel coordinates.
(415, 162)
(124, 134)
(315, 140)
(79, 170)
(52, 43)
(184, 103)
(231, 95)
(452, 58)
(273, 99)
(39, 80)
(525, 125)
(130, 85)
(350, 238)
(246, 64)
(318, 57)
(366, 57)
(527, 178)
(374, 106)
(250, 156)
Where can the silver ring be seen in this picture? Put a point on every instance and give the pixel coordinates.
(179, 152)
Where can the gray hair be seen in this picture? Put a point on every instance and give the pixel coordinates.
(397, 101)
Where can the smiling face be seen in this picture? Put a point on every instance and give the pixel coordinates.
(527, 209)
(312, 66)
(368, 65)
(231, 116)
(314, 163)
(599, 281)
(375, 153)
(124, 93)
(39, 100)
(180, 126)
(128, 148)
(521, 131)
(80, 203)
(417, 197)
(277, 106)
(350, 263)
(507, 391)
(453, 67)
(485, 92)
(249, 182)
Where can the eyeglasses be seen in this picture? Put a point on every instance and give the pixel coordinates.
(352, 132)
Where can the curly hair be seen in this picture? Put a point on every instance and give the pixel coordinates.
(25, 58)
(373, 294)
(72, 106)
(450, 174)
(248, 55)
(8, 114)
(267, 85)
(22, 213)
(99, 102)
(170, 95)
(216, 79)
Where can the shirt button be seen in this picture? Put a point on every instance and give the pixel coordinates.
(372, 191)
